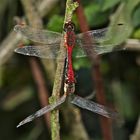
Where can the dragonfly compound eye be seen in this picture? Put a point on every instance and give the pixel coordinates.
(69, 26)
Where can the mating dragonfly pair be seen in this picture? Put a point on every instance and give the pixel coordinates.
(100, 42)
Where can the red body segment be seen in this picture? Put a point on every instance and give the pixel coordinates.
(70, 72)
(69, 43)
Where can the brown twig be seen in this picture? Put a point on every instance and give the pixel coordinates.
(132, 44)
(97, 77)
(12, 40)
(45, 6)
(35, 21)
(7, 47)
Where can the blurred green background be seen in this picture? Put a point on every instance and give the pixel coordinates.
(120, 71)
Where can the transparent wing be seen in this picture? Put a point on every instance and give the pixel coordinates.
(94, 107)
(50, 51)
(97, 35)
(102, 35)
(101, 40)
(42, 111)
(99, 49)
(37, 35)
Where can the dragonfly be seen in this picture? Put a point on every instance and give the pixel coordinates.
(49, 47)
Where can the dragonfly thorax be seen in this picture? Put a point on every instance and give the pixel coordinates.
(69, 34)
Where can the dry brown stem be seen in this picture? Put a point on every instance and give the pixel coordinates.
(35, 20)
(12, 40)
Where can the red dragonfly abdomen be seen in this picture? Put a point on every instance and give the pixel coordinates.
(70, 72)
(69, 43)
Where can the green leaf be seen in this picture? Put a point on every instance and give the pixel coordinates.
(124, 12)
(109, 4)
(55, 23)
(123, 15)
(136, 16)
(81, 63)
(137, 34)
(94, 15)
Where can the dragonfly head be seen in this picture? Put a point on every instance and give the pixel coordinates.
(69, 26)
(69, 88)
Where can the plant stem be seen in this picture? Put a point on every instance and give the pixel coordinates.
(55, 126)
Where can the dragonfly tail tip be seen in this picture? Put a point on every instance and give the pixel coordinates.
(15, 50)
(18, 125)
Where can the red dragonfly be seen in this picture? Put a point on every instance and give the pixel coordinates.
(51, 41)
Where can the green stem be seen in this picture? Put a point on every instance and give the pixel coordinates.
(55, 127)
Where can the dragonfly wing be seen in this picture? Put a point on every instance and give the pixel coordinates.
(104, 34)
(90, 50)
(50, 51)
(101, 40)
(94, 107)
(97, 35)
(79, 52)
(37, 35)
(42, 111)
